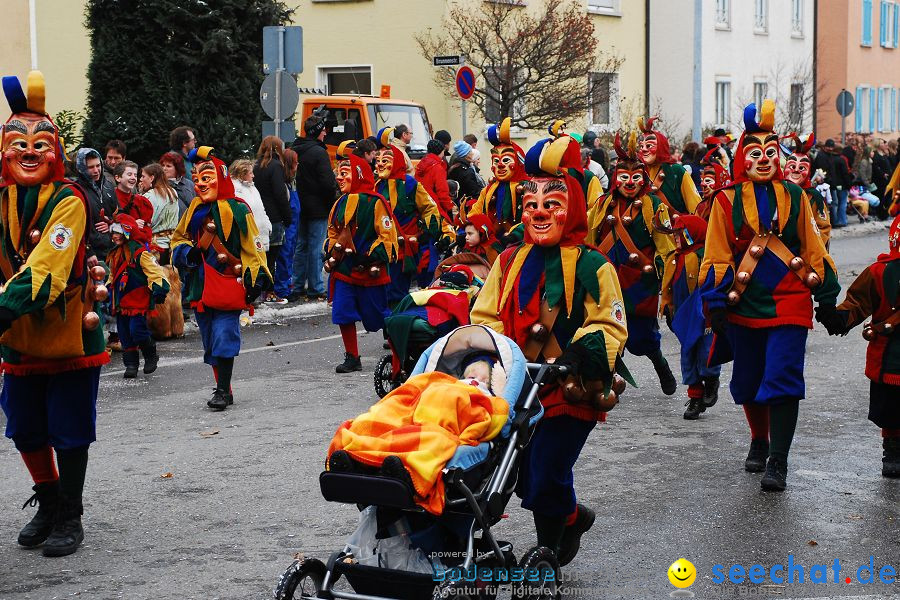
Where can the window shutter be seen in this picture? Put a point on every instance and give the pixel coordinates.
(893, 122)
(879, 119)
(867, 23)
(882, 21)
(896, 13)
(872, 107)
(859, 95)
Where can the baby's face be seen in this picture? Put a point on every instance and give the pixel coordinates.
(479, 370)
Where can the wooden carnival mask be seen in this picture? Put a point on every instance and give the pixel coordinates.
(503, 162)
(30, 147)
(648, 147)
(798, 169)
(206, 183)
(761, 157)
(630, 182)
(545, 206)
(384, 163)
(344, 176)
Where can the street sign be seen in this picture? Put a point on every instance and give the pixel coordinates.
(844, 103)
(289, 96)
(286, 130)
(465, 82)
(293, 48)
(452, 60)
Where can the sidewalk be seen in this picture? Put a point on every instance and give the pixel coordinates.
(856, 229)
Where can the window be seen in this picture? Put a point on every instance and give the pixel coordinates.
(796, 104)
(605, 7)
(723, 101)
(495, 86)
(886, 110)
(342, 124)
(761, 17)
(391, 115)
(760, 90)
(866, 23)
(346, 80)
(603, 93)
(797, 18)
(723, 14)
(887, 24)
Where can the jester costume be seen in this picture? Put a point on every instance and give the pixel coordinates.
(361, 246)
(218, 244)
(52, 346)
(621, 226)
(590, 183)
(487, 242)
(714, 176)
(499, 200)
(669, 181)
(137, 284)
(558, 299)
(876, 294)
(680, 300)
(764, 262)
(798, 169)
(417, 216)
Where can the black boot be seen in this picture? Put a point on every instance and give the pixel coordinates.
(550, 531)
(571, 538)
(132, 359)
(695, 406)
(67, 532)
(220, 400)
(46, 497)
(151, 356)
(351, 363)
(710, 391)
(756, 458)
(890, 463)
(666, 380)
(775, 479)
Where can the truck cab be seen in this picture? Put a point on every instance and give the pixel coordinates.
(355, 117)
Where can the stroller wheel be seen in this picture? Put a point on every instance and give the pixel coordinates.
(384, 377)
(540, 579)
(454, 589)
(303, 579)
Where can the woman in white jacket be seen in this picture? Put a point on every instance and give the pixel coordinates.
(241, 172)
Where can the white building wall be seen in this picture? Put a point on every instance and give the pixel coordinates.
(672, 65)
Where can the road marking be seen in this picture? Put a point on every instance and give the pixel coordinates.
(193, 361)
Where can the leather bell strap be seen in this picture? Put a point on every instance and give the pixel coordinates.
(624, 237)
(538, 344)
(783, 253)
(210, 238)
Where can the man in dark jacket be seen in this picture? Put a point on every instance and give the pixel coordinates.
(882, 169)
(837, 176)
(100, 196)
(317, 188)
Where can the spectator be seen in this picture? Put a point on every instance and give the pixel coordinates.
(402, 138)
(127, 201)
(472, 140)
(461, 170)
(114, 153)
(690, 158)
(882, 169)
(431, 172)
(892, 154)
(154, 185)
(445, 138)
(241, 172)
(837, 176)
(182, 140)
(284, 264)
(268, 174)
(594, 167)
(173, 166)
(598, 154)
(101, 198)
(317, 188)
(850, 151)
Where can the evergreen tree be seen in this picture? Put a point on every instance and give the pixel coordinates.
(158, 64)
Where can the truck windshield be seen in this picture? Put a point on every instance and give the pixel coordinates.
(391, 115)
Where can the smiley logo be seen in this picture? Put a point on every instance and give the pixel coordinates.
(682, 573)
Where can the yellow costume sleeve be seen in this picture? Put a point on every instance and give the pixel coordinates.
(594, 193)
(429, 212)
(689, 193)
(253, 257)
(386, 246)
(605, 315)
(594, 218)
(484, 312)
(665, 254)
(156, 277)
(718, 256)
(180, 236)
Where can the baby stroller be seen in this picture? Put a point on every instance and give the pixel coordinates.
(424, 316)
(479, 481)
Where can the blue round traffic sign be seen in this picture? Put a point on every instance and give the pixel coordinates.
(465, 82)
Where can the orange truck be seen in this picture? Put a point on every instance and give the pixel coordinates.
(355, 117)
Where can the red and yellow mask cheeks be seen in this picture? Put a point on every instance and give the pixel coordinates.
(630, 182)
(708, 182)
(344, 176)
(503, 162)
(761, 157)
(545, 208)
(206, 183)
(384, 163)
(798, 169)
(648, 147)
(30, 146)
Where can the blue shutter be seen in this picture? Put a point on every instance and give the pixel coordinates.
(896, 12)
(882, 23)
(893, 119)
(867, 23)
(879, 118)
(872, 107)
(859, 95)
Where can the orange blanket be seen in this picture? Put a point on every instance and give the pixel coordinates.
(423, 422)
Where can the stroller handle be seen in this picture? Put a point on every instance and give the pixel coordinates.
(542, 370)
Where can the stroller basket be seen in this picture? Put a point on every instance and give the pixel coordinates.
(381, 582)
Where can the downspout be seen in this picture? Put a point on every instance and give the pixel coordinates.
(697, 113)
(647, 57)
(32, 26)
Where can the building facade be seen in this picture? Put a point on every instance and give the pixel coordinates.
(710, 58)
(858, 51)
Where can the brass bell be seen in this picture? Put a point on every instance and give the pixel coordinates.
(211, 227)
(90, 321)
(101, 293)
(401, 241)
(412, 239)
(611, 219)
(796, 263)
(338, 247)
(626, 220)
(638, 203)
(634, 258)
(98, 273)
(374, 271)
(756, 251)
(520, 189)
(238, 269)
(539, 332)
(221, 257)
(348, 251)
(888, 328)
(733, 298)
(649, 269)
(813, 281)
(574, 391)
(743, 277)
(605, 403)
(34, 236)
(868, 333)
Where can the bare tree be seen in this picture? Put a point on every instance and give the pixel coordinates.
(534, 66)
(796, 93)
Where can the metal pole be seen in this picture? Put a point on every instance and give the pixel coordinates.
(697, 116)
(32, 25)
(843, 128)
(463, 117)
(278, 74)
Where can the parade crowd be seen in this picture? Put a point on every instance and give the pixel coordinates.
(574, 252)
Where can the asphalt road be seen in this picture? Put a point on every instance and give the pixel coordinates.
(184, 503)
